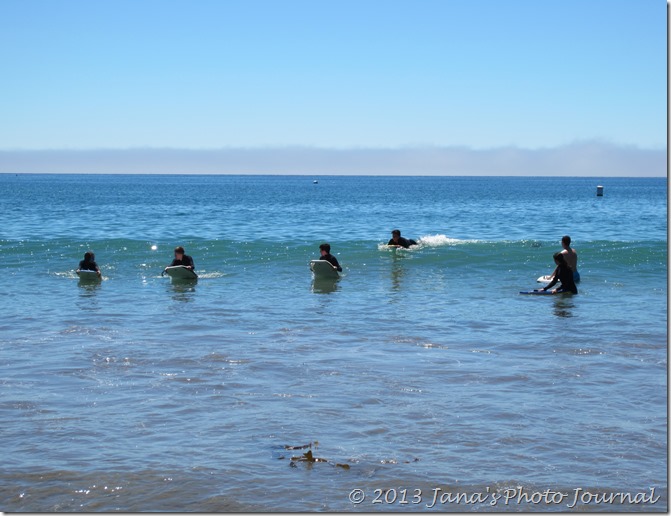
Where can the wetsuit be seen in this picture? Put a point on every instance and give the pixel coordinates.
(186, 261)
(564, 274)
(332, 260)
(86, 265)
(403, 242)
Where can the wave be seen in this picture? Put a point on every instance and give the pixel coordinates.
(437, 240)
(442, 240)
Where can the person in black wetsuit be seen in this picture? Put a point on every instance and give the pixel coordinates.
(398, 241)
(325, 251)
(564, 274)
(89, 263)
(182, 259)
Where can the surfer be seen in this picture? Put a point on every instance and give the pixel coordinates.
(182, 259)
(89, 263)
(398, 241)
(325, 251)
(562, 273)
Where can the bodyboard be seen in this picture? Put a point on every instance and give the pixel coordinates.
(88, 276)
(537, 292)
(323, 269)
(181, 272)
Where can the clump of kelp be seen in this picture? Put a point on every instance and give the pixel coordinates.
(307, 457)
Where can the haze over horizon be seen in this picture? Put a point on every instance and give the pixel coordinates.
(588, 159)
(439, 87)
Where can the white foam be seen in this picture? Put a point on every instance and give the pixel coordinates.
(429, 241)
(439, 241)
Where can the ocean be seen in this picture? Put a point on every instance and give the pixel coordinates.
(421, 380)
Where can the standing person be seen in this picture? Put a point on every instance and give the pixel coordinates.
(89, 263)
(564, 274)
(325, 252)
(182, 259)
(398, 241)
(570, 257)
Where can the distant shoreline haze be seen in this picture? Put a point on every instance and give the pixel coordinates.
(580, 159)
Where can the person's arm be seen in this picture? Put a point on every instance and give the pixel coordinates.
(336, 264)
(555, 279)
(190, 264)
(333, 261)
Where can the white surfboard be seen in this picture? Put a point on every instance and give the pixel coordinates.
(88, 276)
(544, 279)
(323, 269)
(180, 272)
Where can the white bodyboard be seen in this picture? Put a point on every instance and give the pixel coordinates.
(323, 269)
(88, 276)
(181, 272)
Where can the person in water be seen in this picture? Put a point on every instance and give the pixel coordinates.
(570, 257)
(563, 274)
(398, 241)
(89, 263)
(182, 259)
(325, 252)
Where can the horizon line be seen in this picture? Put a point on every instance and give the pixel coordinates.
(578, 159)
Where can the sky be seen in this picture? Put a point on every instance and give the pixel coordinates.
(246, 80)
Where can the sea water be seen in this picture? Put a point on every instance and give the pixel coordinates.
(421, 378)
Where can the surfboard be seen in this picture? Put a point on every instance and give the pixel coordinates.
(544, 279)
(537, 292)
(89, 276)
(323, 269)
(180, 272)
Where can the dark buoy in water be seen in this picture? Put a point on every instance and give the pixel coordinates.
(599, 191)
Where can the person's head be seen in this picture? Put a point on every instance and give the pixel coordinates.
(395, 234)
(566, 241)
(179, 252)
(325, 248)
(89, 256)
(559, 258)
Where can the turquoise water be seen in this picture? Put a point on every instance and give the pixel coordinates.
(419, 370)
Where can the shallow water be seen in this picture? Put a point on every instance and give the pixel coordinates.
(418, 369)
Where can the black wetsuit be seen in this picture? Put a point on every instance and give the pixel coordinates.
(403, 242)
(564, 274)
(186, 261)
(86, 265)
(332, 260)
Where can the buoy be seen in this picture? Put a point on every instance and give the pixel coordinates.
(599, 191)
(315, 182)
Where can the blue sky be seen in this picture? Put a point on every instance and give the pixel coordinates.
(200, 74)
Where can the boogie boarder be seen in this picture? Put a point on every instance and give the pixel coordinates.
(398, 241)
(89, 263)
(182, 259)
(563, 274)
